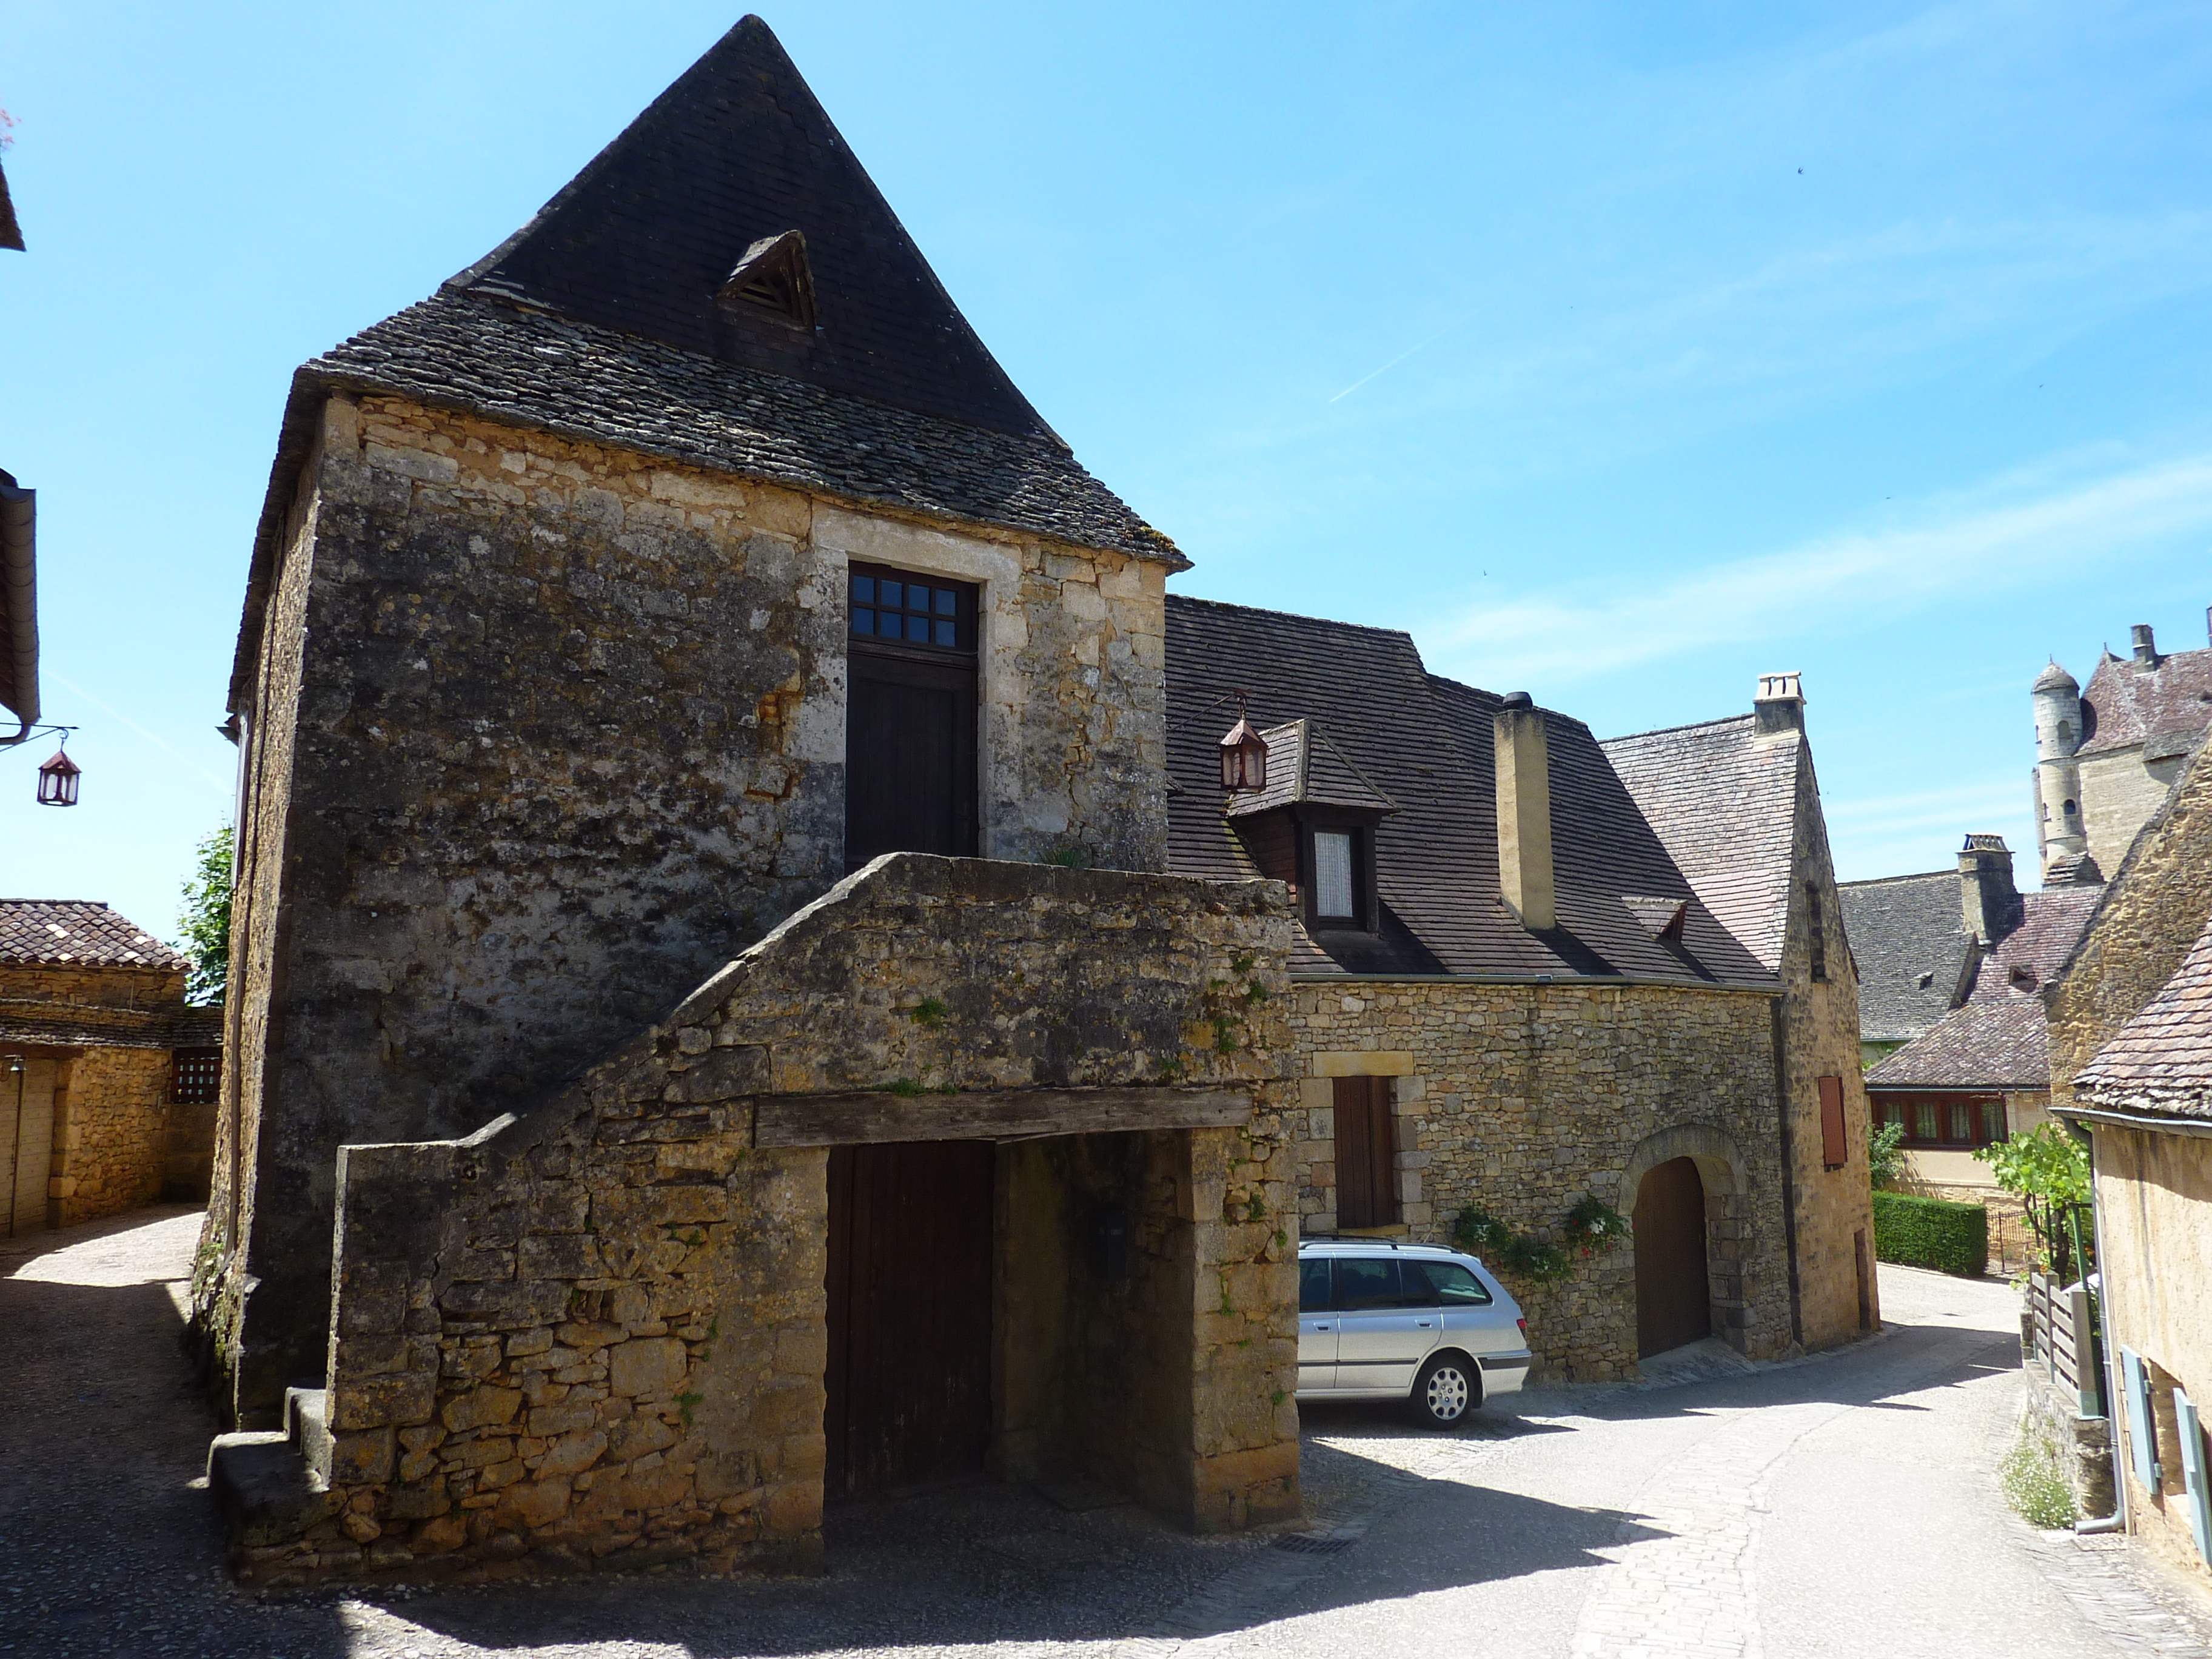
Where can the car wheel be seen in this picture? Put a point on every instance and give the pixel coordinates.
(1447, 1388)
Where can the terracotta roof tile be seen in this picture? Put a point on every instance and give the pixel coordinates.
(1995, 1042)
(57, 933)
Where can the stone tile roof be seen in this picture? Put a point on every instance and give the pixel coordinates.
(599, 320)
(76, 932)
(1723, 799)
(2167, 707)
(87, 1025)
(11, 234)
(1996, 1038)
(2160, 1063)
(1996, 1043)
(1423, 743)
(1916, 959)
(1305, 768)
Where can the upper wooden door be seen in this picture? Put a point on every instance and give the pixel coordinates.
(1673, 1303)
(1366, 1153)
(910, 776)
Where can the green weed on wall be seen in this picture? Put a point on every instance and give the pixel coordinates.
(1931, 1232)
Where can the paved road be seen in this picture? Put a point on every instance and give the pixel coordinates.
(1844, 1506)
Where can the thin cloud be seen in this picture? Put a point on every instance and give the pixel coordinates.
(182, 760)
(1395, 361)
(1829, 585)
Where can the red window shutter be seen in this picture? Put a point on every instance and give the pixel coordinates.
(1834, 1149)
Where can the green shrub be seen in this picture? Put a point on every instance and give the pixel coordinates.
(2032, 1484)
(1931, 1232)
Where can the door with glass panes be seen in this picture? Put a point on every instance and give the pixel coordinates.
(910, 716)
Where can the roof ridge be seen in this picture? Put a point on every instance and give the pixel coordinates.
(1297, 616)
(1916, 875)
(1692, 726)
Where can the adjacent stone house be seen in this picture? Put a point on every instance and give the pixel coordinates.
(677, 1077)
(2130, 1031)
(108, 1079)
(1531, 967)
(2106, 757)
(1980, 1075)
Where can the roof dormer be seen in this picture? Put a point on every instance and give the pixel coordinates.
(772, 282)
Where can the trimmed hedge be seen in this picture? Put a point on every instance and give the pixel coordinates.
(1931, 1232)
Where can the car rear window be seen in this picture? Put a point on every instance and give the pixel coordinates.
(1444, 1285)
(1313, 1286)
(1364, 1282)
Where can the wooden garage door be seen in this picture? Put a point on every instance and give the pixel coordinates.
(1672, 1302)
(909, 1373)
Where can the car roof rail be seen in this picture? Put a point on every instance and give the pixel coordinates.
(1347, 1238)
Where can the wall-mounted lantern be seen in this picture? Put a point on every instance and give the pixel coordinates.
(58, 780)
(1243, 759)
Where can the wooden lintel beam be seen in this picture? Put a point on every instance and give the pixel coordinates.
(877, 1114)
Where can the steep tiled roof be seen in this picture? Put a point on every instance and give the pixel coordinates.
(11, 235)
(1914, 958)
(2127, 702)
(1994, 1043)
(1997, 1039)
(1425, 743)
(1723, 800)
(2161, 1062)
(599, 320)
(73, 932)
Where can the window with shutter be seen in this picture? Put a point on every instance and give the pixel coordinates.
(1835, 1151)
(2142, 1437)
(1366, 1167)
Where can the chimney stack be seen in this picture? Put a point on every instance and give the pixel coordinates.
(2145, 647)
(1987, 898)
(1780, 704)
(1524, 811)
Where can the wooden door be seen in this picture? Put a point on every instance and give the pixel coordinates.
(1673, 1303)
(1366, 1153)
(909, 1282)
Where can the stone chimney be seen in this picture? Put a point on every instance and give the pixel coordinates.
(2145, 647)
(1524, 811)
(1988, 900)
(1780, 704)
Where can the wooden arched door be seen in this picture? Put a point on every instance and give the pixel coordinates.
(1673, 1303)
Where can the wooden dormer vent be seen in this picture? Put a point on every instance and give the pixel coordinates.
(773, 282)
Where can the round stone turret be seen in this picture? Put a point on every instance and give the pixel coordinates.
(2057, 698)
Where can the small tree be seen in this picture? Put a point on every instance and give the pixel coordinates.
(205, 920)
(2049, 1171)
(1885, 1155)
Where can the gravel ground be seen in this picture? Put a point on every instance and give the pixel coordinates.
(1842, 1505)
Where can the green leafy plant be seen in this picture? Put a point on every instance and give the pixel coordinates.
(2049, 1171)
(2032, 1484)
(1931, 1232)
(1068, 858)
(1885, 1155)
(928, 1011)
(205, 920)
(1594, 1227)
(1532, 1258)
(1480, 1233)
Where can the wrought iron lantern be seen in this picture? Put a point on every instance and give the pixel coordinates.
(58, 780)
(1243, 759)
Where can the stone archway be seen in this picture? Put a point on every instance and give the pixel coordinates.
(1711, 1243)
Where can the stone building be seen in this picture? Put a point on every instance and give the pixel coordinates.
(1982, 1073)
(2106, 757)
(1531, 967)
(677, 1075)
(108, 1080)
(2130, 1026)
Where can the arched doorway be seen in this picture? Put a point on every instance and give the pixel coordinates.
(1673, 1300)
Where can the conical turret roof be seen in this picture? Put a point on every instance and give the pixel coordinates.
(2054, 678)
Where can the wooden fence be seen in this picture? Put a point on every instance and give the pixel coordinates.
(2059, 1331)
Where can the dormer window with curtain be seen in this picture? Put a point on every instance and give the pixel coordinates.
(1314, 827)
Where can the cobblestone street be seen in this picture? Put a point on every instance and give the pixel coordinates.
(1847, 1505)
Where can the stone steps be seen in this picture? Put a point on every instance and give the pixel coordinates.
(273, 1485)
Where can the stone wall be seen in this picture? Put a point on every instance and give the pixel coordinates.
(593, 1337)
(107, 988)
(543, 731)
(1520, 1098)
(111, 1132)
(2120, 793)
(1837, 1292)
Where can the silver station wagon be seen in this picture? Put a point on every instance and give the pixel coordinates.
(1417, 1322)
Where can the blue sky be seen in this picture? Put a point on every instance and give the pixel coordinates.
(1619, 353)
